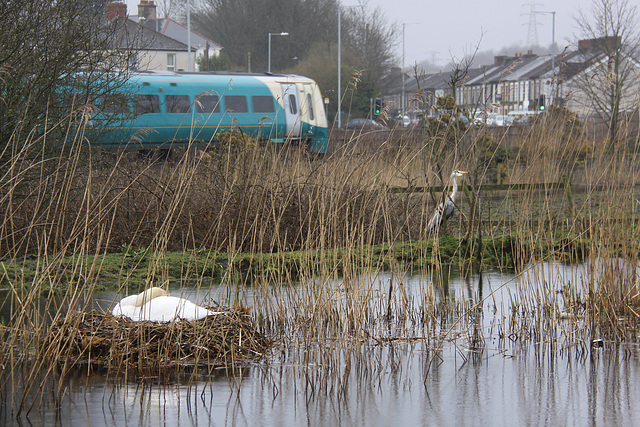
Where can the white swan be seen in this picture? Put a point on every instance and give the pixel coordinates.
(156, 305)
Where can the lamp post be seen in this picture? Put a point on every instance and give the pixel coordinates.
(189, 35)
(404, 24)
(339, 65)
(269, 60)
(295, 58)
(553, 44)
(340, 61)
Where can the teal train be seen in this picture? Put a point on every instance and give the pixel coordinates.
(165, 109)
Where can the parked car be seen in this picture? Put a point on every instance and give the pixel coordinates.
(364, 124)
(499, 120)
(523, 116)
(481, 118)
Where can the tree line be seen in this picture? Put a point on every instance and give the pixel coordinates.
(45, 43)
(56, 58)
(242, 27)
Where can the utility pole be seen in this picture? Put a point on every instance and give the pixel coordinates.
(404, 103)
(532, 34)
(553, 50)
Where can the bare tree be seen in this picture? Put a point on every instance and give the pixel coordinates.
(55, 56)
(242, 26)
(370, 39)
(370, 42)
(610, 33)
(174, 9)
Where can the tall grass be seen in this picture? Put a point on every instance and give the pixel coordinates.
(352, 220)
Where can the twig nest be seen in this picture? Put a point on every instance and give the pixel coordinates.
(116, 342)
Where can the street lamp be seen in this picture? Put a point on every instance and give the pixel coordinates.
(553, 45)
(339, 65)
(340, 60)
(404, 24)
(189, 35)
(273, 34)
(295, 58)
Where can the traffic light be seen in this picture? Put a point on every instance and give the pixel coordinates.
(541, 103)
(377, 106)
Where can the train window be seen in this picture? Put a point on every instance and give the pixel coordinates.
(293, 106)
(236, 103)
(262, 104)
(147, 104)
(115, 104)
(177, 104)
(208, 104)
(310, 103)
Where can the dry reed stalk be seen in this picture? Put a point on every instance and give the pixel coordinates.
(246, 199)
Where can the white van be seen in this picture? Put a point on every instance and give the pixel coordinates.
(522, 116)
(499, 120)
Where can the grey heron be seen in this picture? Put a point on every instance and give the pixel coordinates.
(444, 210)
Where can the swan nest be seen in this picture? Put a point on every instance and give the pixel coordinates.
(109, 341)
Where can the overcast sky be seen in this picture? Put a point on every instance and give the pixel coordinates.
(441, 29)
(452, 27)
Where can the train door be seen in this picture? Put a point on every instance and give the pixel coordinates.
(292, 109)
(306, 105)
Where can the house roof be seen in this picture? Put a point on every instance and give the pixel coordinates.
(575, 62)
(518, 68)
(130, 34)
(487, 73)
(177, 31)
(515, 68)
(529, 67)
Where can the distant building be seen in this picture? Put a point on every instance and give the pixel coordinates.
(175, 30)
(591, 67)
(521, 82)
(158, 42)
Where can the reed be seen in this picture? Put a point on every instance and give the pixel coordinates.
(323, 249)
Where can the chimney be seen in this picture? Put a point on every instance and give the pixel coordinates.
(585, 45)
(146, 9)
(115, 10)
(604, 44)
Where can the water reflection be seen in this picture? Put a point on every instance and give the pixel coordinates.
(514, 387)
(418, 381)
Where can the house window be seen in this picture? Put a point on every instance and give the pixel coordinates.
(171, 61)
(133, 61)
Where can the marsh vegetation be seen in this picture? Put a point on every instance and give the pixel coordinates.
(321, 249)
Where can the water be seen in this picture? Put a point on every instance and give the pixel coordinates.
(426, 382)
